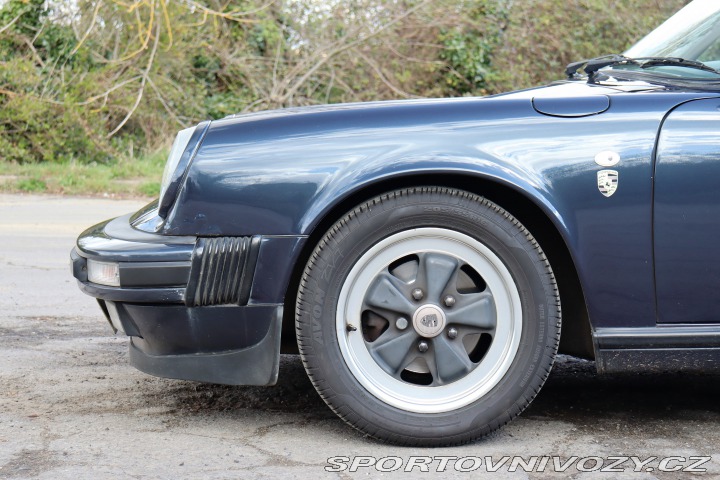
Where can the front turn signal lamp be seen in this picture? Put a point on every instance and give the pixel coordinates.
(103, 273)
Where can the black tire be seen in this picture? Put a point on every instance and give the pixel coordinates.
(385, 408)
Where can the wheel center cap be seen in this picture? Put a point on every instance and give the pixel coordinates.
(429, 320)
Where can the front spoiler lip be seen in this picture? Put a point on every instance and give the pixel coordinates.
(254, 364)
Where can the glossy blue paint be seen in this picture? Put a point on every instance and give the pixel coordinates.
(570, 107)
(116, 241)
(279, 173)
(273, 269)
(687, 206)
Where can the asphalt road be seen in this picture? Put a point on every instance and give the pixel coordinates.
(71, 406)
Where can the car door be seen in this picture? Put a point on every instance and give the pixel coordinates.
(686, 214)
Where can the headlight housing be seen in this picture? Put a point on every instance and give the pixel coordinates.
(178, 148)
(186, 144)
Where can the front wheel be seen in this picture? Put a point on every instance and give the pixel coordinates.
(427, 316)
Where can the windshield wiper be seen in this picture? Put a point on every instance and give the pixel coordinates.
(591, 66)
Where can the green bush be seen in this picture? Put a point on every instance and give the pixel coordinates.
(104, 83)
(31, 185)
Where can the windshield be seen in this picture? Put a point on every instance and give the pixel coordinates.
(693, 34)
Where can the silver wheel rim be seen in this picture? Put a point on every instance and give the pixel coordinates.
(379, 366)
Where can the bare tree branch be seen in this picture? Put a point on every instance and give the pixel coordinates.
(36, 56)
(382, 76)
(325, 56)
(12, 22)
(164, 103)
(96, 10)
(143, 82)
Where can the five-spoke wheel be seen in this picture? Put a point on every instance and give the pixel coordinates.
(417, 320)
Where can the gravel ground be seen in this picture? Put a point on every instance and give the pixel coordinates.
(71, 406)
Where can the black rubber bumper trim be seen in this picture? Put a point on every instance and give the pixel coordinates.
(154, 274)
(254, 365)
(222, 271)
(78, 266)
(134, 295)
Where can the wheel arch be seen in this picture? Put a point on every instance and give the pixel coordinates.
(576, 334)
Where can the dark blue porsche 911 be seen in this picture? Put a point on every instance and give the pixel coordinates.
(418, 253)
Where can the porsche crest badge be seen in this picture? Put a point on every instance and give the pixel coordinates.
(429, 321)
(607, 181)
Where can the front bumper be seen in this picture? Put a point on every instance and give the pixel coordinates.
(195, 308)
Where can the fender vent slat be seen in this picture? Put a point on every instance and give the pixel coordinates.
(222, 271)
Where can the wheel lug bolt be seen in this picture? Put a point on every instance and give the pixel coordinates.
(452, 333)
(449, 301)
(423, 347)
(401, 323)
(417, 294)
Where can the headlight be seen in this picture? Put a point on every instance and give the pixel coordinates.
(178, 148)
(186, 144)
(103, 273)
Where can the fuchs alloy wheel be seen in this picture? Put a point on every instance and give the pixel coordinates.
(428, 316)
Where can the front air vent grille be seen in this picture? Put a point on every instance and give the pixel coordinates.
(222, 271)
